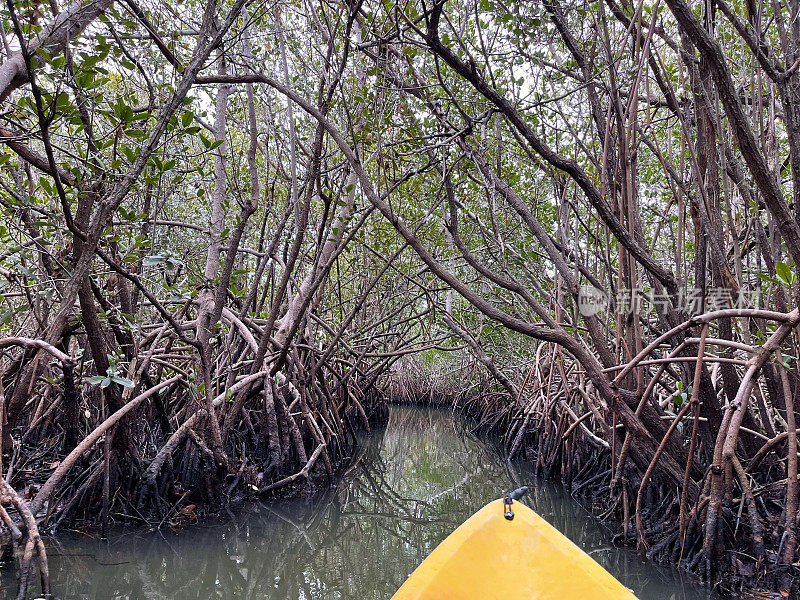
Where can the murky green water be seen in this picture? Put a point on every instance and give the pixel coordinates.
(411, 486)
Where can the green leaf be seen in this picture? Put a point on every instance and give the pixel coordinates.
(123, 112)
(785, 273)
(130, 153)
(769, 279)
(153, 260)
(123, 381)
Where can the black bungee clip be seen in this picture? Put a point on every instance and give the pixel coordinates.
(508, 500)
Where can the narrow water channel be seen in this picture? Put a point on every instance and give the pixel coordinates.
(410, 487)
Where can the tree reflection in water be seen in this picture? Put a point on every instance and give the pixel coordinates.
(407, 489)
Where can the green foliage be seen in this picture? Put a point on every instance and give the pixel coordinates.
(112, 374)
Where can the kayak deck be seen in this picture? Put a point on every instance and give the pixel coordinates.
(489, 557)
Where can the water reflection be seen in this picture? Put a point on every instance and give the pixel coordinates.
(410, 486)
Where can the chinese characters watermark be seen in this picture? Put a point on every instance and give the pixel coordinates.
(592, 301)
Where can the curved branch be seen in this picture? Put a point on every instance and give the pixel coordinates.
(66, 359)
(567, 165)
(67, 25)
(50, 485)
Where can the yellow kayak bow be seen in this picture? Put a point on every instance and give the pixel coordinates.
(492, 556)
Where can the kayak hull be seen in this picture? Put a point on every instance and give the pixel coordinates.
(526, 558)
